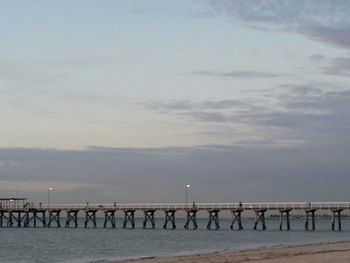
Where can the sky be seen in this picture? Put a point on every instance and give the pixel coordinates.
(130, 101)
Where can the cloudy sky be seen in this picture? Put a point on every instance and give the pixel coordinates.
(131, 100)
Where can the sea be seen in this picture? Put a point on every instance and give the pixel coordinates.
(99, 245)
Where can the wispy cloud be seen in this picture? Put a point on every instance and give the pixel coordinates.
(189, 105)
(337, 35)
(238, 74)
(322, 20)
(304, 112)
(339, 66)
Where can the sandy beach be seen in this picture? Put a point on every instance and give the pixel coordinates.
(323, 253)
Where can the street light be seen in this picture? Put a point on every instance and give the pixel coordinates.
(48, 196)
(187, 189)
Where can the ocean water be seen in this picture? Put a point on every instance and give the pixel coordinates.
(69, 245)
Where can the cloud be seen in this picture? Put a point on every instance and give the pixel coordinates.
(105, 175)
(323, 20)
(305, 112)
(338, 66)
(188, 105)
(39, 186)
(337, 36)
(238, 74)
(315, 113)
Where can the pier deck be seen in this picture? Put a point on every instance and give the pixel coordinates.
(17, 214)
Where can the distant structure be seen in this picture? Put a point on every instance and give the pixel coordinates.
(16, 212)
(8, 203)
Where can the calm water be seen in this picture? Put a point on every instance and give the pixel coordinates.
(107, 245)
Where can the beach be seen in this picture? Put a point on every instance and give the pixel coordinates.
(322, 253)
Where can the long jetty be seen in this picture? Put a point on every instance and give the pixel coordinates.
(13, 213)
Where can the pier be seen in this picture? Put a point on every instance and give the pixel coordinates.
(17, 212)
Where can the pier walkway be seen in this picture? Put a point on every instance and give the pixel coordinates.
(18, 213)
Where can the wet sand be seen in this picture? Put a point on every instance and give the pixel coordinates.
(323, 253)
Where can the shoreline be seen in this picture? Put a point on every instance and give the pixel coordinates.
(319, 252)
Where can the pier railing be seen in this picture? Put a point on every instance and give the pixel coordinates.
(184, 206)
(48, 215)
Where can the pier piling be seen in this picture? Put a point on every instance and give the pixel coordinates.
(191, 218)
(72, 216)
(10, 219)
(32, 215)
(109, 217)
(169, 217)
(129, 217)
(19, 219)
(15, 212)
(90, 215)
(149, 216)
(336, 215)
(285, 214)
(237, 217)
(213, 218)
(260, 217)
(310, 213)
(2, 217)
(54, 217)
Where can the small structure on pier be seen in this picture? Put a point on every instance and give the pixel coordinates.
(12, 203)
(11, 211)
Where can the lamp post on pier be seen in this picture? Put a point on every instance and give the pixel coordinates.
(187, 193)
(48, 196)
